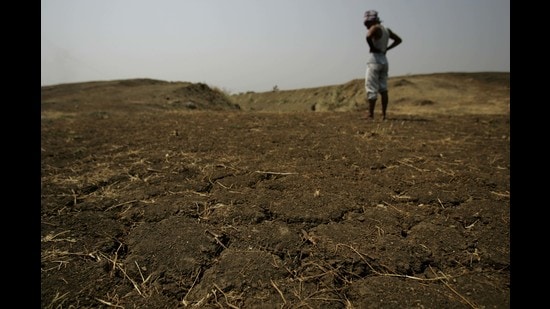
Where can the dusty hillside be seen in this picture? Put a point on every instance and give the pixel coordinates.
(456, 93)
(459, 93)
(133, 94)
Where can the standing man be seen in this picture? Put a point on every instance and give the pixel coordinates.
(376, 77)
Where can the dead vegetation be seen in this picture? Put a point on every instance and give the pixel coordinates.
(444, 93)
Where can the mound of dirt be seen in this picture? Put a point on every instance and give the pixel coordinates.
(461, 93)
(134, 95)
(200, 96)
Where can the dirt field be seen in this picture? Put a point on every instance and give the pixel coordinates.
(177, 204)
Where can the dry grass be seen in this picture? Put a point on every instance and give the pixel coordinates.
(429, 94)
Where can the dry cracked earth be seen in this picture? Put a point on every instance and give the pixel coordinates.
(234, 209)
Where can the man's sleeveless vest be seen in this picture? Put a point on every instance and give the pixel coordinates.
(382, 43)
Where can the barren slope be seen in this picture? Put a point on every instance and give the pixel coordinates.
(456, 93)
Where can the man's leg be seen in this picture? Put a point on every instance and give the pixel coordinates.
(371, 87)
(385, 100)
(372, 103)
(383, 78)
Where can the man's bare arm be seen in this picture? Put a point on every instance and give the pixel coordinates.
(396, 40)
(375, 32)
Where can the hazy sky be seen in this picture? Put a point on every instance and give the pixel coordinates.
(253, 45)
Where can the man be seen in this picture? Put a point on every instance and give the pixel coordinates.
(376, 77)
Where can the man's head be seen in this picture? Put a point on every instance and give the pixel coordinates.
(371, 18)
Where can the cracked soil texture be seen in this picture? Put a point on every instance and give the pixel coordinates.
(233, 209)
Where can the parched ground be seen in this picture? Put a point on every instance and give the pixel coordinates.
(232, 209)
